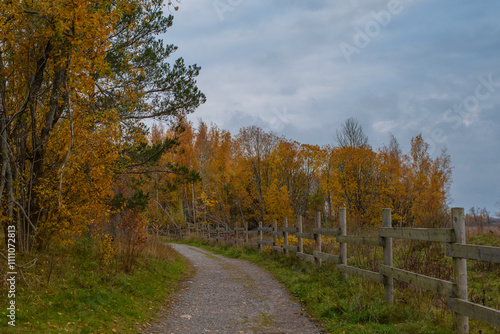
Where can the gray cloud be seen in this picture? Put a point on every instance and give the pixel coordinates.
(278, 65)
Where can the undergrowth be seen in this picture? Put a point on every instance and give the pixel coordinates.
(77, 289)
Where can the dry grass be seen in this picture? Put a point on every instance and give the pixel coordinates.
(472, 231)
(157, 248)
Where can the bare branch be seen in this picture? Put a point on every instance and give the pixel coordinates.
(24, 214)
(70, 147)
(37, 13)
(352, 135)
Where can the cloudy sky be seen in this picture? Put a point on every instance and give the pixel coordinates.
(301, 68)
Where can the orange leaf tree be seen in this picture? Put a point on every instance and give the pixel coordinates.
(76, 78)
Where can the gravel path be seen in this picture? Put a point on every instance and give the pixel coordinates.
(231, 296)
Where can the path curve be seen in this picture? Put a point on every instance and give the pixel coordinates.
(231, 296)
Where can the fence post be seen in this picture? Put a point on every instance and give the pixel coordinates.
(260, 235)
(300, 245)
(285, 236)
(217, 238)
(246, 232)
(275, 229)
(226, 234)
(459, 270)
(236, 235)
(317, 238)
(343, 232)
(387, 242)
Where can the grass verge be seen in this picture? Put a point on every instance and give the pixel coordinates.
(70, 291)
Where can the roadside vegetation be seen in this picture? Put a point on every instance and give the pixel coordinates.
(78, 289)
(357, 306)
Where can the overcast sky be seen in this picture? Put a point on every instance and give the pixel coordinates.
(301, 68)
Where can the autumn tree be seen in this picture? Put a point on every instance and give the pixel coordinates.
(75, 80)
(356, 179)
(213, 155)
(430, 180)
(314, 196)
(256, 147)
(396, 182)
(171, 178)
(356, 183)
(244, 194)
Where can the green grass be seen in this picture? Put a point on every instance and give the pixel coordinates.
(79, 295)
(84, 297)
(485, 239)
(484, 279)
(352, 306)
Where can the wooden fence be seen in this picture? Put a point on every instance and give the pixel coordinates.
(456, 290)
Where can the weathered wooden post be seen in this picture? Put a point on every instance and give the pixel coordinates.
(275, 229)
(226, 234)
(459, 270)
(246, 232)
(317, 238)
(300, 245)
(387, 243)
(236, 235)
(260, 235)
(343, 232)
(217, 238)
(285, 236)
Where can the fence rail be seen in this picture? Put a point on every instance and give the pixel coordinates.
(423, 234)
(456, 291)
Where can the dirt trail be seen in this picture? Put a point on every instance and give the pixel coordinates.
(231, 296)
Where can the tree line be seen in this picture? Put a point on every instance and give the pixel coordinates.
(256, 175)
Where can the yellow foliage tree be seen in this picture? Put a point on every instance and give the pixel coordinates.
(76, 79)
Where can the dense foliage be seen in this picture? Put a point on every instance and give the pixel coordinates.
(76, 79)
(259, 176)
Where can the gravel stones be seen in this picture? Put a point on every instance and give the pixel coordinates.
(231, 296)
